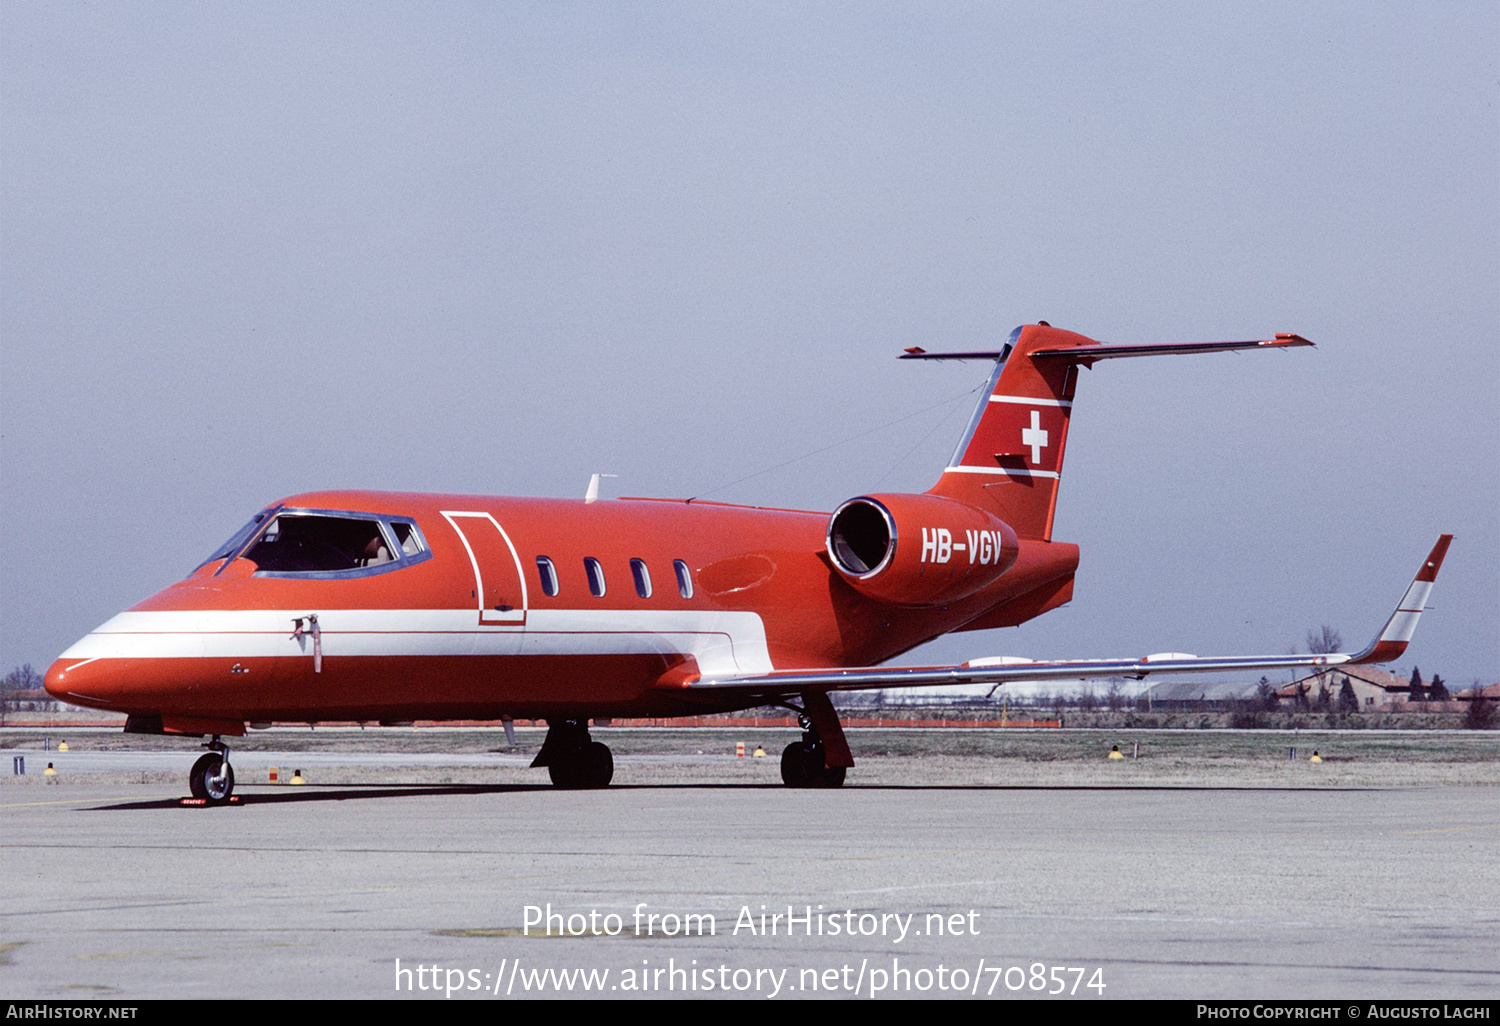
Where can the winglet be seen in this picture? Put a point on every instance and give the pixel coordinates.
(1392, 640)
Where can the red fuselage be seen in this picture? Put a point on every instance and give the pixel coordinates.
(491, 610)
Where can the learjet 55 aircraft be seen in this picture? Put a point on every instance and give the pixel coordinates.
(391, 607)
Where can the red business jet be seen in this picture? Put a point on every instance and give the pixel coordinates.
(391, 607)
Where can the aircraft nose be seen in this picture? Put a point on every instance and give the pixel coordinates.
(83, 682)
(53, 682)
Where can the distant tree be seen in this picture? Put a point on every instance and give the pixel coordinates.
(23, 678)
(1348, 701)
(1265, 693)
(1321, 642)
(1299, 697)
(1324, 641)
(1482, 714)
(1418, 692)
(1087, 700)
(1115, 698)
(1437, 691)
(1324, 701)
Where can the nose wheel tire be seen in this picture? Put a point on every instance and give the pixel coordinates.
(212, 780)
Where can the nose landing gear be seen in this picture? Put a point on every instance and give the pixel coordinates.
(212, 778)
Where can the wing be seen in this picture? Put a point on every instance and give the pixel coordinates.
(1388, 645)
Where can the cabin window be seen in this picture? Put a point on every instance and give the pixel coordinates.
(548, 573)
(684, 578)
(311, 542)
(642, 575)
(596, 576)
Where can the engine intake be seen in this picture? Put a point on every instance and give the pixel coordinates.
(918, 550)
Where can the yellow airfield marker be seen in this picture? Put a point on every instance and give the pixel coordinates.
(1315, 757)
(62, 746)
(760, 753)
(297, 777)
(1115, 753)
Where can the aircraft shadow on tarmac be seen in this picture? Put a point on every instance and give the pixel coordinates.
(337, 793)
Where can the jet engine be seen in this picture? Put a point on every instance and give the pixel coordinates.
(918, 550)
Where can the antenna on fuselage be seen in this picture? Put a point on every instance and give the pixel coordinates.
(592, 495)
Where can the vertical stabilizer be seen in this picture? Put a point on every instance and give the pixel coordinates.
(1010, 459)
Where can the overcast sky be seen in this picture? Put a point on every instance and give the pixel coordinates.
(253, 249)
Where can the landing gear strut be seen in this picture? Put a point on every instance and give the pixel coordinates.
(212, 778)
(811, 762)
(573, 759)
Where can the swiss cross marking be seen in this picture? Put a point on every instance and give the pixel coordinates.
(1035, 437)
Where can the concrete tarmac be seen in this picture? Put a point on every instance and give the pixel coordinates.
(116, 891)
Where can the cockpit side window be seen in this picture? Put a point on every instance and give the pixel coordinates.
(407, 537)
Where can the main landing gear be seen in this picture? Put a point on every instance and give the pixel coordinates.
(212, 778)
(822, 757)
(573, 759)
(802, 764)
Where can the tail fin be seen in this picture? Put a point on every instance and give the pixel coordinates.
(1010, 458)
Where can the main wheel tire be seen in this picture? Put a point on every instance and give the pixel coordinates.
(589, 765)
(795, 764)
(205, 782)
(600, 762)
(802, 766)
(565, 772)
(830, 776)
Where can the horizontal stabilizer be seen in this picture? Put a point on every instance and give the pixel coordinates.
(918, 353)
(1087, 354)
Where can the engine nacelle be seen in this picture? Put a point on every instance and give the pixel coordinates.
(918, 550)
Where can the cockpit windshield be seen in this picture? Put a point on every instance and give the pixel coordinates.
(237, 540)
(287, 542)
(300, 542)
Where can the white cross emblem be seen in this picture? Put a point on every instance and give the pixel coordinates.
(1035, 437)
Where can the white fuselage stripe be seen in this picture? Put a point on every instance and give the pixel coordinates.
(734, 642)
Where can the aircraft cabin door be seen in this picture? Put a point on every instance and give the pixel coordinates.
(499, 584)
